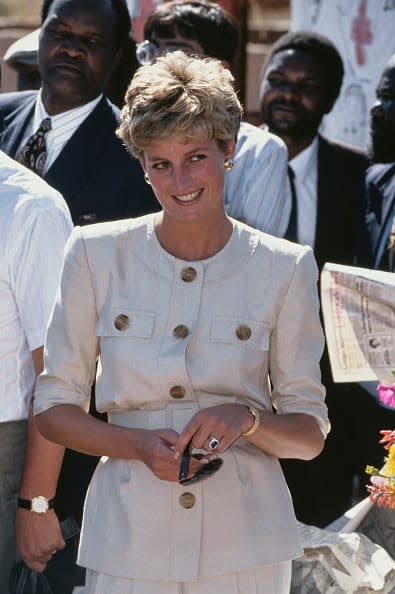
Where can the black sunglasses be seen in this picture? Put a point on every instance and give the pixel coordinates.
(203, 473)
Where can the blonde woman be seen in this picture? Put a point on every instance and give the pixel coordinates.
(208, 339)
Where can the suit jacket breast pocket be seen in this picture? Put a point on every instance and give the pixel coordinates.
(243, 345)
(126, 340)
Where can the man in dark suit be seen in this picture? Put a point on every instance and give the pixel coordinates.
(85, 162)
(80, 45)
(301, 80)
(376, 237)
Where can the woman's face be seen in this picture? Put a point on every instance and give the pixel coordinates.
(188, 177)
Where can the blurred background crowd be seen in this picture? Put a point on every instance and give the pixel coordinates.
(361, 30)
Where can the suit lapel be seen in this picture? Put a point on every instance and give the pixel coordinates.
(325, 223)
(79, 156)
(382, 202)
(15, 124)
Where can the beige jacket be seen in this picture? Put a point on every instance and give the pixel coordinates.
(250, 309)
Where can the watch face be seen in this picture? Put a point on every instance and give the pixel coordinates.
(40, 505)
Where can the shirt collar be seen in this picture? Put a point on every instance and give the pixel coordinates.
(78, 113)
(304, 161)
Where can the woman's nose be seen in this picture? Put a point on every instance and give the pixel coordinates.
(181, 178)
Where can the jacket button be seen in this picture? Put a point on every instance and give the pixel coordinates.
(180, 331)
(122, 322)
(243, 332)
(187, 500)
(177, 392)
(188, 274)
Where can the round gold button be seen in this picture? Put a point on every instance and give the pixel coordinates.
(188, 274)
(243, 332)
(177, 392)
(180, 331)
(122, 322)
(187, 500)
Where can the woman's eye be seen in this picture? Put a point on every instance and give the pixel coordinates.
(160, 165)
(195, 158)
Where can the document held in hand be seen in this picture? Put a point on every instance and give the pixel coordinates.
(358, 305)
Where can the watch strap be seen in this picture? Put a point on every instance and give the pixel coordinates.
(27, 503)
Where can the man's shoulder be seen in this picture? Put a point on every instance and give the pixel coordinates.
(380, 172)
(346, 152)
(19, 185)
(11, 101)
(252, 137)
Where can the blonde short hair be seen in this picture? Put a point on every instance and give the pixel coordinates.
(180, 95)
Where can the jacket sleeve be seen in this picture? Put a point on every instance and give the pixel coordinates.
(296, 346)
(71, 346)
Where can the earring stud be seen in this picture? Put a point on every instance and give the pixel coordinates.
(147, 179)
(228, 164)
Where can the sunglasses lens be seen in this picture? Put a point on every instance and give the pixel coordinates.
(146, 53)
(204, 473)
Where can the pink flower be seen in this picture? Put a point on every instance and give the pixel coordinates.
(387, 394)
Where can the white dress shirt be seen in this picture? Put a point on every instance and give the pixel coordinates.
(34, 226)
(63, 126)
(305, 168)
(250, 310)
(255, 189)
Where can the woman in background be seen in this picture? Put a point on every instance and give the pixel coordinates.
(209, 341)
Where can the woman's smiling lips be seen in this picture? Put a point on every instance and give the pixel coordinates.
(188, 197)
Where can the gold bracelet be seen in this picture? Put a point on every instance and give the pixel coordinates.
(256, 423)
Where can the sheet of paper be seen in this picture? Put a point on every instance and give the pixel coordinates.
(359, 316)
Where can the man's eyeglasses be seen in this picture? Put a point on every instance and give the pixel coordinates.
(203, 473)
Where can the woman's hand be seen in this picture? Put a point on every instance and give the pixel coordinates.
(224, 422)
(156, 449)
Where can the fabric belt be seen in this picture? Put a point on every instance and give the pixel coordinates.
(172, 416)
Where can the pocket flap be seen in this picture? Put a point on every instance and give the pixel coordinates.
(121, 322)
(251, 334)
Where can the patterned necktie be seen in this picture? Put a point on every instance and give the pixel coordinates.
(34, 153)
(292, 229)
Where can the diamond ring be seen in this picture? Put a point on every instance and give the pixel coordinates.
(213, 443)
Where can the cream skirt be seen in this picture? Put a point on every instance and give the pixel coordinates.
(268, 579)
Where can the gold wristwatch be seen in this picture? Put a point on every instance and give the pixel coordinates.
(38, 505)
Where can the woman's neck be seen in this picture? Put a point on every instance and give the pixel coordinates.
(192, 241)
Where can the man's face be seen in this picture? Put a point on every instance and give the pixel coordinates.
(77, 51)
(294, 95)
(382, 117)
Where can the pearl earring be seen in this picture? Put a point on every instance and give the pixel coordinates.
(228, 164)
(147, 179)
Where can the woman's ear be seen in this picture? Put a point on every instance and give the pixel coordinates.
(142, 163)
(230, 149)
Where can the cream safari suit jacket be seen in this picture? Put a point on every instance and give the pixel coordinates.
(173, 337)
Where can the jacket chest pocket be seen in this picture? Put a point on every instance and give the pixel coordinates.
(247, 334)
(121, 322)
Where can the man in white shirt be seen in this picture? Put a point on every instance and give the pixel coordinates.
(255, 189)
(301, 79)
(34, 226)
